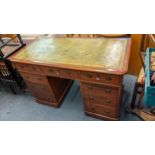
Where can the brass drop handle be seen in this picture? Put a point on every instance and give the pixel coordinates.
(107, 112)
(107, 101)
(90, 87)
(108, 90)
(51, 70)
(98, 78)
(91, 98)
(57, 73)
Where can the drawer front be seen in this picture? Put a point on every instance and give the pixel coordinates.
(102, 110)
(51, 71)
(68, 73)
(59, 72)
(41, 92)
(111, 102)
(101, 78)
(35, 78)
(99, 89)
(28, 68)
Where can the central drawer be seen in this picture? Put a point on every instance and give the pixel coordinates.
(68, 73)
(60, 72)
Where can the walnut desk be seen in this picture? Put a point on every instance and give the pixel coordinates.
(49, 65)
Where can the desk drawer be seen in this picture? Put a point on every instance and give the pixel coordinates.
(68, 73)
(28, 68)
(101, 110)
(51, 71)
(101, 78)
(59, 72)
(99, 89)
(35, 78)
(101, 100)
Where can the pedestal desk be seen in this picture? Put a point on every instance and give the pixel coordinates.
(49, 65)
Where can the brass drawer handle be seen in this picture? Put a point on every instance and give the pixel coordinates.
(91, 98)
(108, 90)
(90, 87)
(57, 73)
(51, 70)
(97, 78)
(109, 78)
(107, 101)
(34, 68)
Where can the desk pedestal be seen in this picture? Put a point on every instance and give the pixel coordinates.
(47, 90)
(101, 101)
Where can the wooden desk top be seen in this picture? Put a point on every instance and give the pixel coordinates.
(109, 55)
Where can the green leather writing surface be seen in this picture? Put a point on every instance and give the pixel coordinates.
(108, 53)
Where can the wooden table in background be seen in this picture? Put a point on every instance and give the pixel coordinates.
(49, 65)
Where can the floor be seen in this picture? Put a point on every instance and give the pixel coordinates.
(22, 107)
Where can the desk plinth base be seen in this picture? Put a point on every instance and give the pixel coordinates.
(49, 103)
(98, 116)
